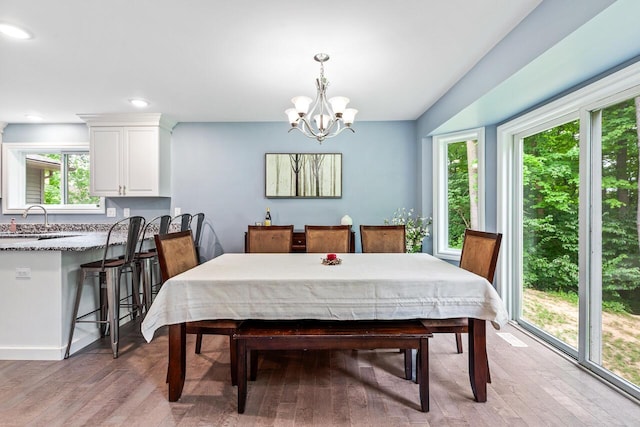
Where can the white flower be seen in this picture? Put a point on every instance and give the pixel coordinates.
(416, 228)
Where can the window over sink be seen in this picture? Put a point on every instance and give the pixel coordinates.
(52, 174)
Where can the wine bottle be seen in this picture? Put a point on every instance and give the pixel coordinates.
(267, 218)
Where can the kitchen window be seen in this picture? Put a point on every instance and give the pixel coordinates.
(54, 175)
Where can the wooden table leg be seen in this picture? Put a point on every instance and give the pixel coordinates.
(177, 360)
(423, 363)
(478, 358)
(408, 364)
(241, 349)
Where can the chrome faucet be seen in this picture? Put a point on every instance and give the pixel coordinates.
(46, 218)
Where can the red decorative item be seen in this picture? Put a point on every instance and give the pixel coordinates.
(331, 257)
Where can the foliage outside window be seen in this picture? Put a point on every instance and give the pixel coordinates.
(550, 208)
(458, 189)
(55, 175)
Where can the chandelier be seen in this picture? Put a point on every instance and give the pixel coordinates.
(330, 117)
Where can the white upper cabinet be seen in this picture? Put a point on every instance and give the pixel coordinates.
(130, 155)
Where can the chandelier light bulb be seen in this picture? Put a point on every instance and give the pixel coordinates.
(330, 117)
(302, 104)
(339, 104)
(349, 116)
(322, 121)
(293, 116)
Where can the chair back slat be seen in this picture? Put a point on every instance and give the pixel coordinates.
(327, 238)
(134, 226)
(165, 221)
(272, 239)
(480, 253)
(163, 228)
(199, 222)
(176, 253)
(383, 238)
(184, 220)
(134, 232)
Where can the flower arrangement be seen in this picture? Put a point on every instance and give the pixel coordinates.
(416, 228)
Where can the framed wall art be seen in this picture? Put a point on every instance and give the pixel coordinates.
(303, 175)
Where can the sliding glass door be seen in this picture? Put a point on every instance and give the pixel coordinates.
(568, 184)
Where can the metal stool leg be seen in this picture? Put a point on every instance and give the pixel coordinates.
(113, 303)
(135, 290)
(147, 279)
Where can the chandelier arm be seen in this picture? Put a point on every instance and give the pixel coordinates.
(305, 127)
(339, 132)
(303, 132)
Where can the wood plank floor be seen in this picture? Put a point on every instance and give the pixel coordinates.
(532, 386)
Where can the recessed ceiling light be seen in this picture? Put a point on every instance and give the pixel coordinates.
(140, 103)
(34, 117)
(14, 32)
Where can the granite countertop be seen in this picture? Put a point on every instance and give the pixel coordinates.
(58, 237)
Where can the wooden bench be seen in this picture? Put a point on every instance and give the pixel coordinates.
(332, 335)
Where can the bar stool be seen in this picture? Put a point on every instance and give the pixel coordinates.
(109, 272)
(147, 259)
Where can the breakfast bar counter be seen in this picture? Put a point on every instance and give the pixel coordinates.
(39, 269)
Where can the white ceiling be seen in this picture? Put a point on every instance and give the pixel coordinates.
(242, 60)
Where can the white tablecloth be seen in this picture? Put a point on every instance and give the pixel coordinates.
(299, 286)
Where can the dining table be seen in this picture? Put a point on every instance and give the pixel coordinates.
(360, 286)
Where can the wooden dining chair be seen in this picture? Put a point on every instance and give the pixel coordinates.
(328, 238)
(271, 239)
(177, 254)
(383, 238)
(479, 255)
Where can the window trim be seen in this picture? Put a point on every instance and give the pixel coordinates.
(441, 247)
(13, 177)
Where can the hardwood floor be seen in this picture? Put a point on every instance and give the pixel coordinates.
(532, 386)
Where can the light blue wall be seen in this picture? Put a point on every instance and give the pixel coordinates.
(218, 169)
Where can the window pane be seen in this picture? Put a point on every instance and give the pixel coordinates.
(550, 231)
(58, 179)
(78, 180)
(462, 189)
(620, 340)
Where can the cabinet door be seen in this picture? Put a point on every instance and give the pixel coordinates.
(140, 161)
(105, 152)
